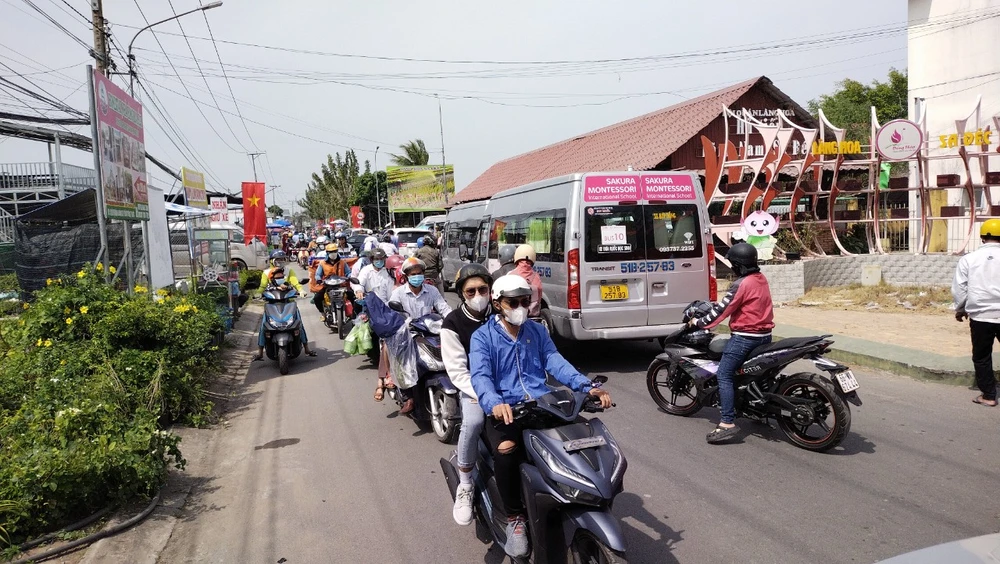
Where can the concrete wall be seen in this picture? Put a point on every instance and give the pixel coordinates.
(790, 281)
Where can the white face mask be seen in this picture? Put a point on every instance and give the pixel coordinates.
(516, 316)
(478, 304)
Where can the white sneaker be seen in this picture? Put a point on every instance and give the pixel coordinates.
(463, 504)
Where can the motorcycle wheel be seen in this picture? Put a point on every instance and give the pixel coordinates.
(669, 386)
(328, 319)
(283, 360)
(341, 325)
(445, 429)
(586, 549)
(820, 427)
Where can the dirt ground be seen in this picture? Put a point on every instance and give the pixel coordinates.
(932, 332)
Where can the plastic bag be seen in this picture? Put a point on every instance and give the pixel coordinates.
(402, 356)
(365, 340)
(351, 343)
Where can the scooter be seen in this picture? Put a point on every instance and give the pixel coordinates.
(335, 313)
(282, 326)
(573, 472)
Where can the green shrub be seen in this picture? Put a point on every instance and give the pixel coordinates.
(88, 375)
(250, 279)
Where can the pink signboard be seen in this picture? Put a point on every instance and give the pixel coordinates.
(611, 188)
(667, 187)
(122, 149)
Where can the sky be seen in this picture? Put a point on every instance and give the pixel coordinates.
(314, 77)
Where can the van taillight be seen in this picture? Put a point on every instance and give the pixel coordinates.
(573, 294)
(713, 284)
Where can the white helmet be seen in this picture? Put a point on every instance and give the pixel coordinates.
(510, 286)
(523, 252)
(322, 240)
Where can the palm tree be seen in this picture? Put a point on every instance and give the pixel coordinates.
(414, 154)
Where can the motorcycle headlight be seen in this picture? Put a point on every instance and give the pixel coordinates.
(557, 466)
(428, 358)
(619, 467)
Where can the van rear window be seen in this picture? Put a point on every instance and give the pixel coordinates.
(642, 232)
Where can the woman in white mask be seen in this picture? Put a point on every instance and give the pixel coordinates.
(473, 286)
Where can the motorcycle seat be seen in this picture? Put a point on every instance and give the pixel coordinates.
(789, 343)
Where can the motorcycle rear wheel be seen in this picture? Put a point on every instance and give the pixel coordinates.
(341, 325)
(586, 549)
(445, 429)
(663, 376)
(283, 360)
(828, 403)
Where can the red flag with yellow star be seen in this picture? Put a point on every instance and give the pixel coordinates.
(254, 213)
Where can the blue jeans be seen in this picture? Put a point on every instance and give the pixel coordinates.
(473, 418)
(737, 350)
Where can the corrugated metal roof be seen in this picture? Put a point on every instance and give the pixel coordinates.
(642, 142)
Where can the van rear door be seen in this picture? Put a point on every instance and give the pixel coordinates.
(674, 241)
(613, 282)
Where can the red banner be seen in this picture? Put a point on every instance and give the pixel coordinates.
(357, 217)
(254, 213)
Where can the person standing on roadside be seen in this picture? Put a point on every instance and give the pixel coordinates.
(976, 291)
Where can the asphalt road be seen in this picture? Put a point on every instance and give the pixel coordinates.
(309, 469)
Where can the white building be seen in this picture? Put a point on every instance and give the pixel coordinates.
(953, 59)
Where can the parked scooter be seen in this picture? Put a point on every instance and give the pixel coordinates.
(810, 409)
(282, 326)
(574, 470)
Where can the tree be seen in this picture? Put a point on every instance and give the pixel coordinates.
(850, 105)
(414, 154)
(275, 210)
(365, 194)
(329, 192)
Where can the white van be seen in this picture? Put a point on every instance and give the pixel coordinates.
(460, 232)
(432, 221)
(253, 256)
(620, 254)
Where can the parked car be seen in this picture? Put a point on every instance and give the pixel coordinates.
(408, 238)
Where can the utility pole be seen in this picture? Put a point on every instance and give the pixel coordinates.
(253, 162)
(444, 167)
(100, 39)
(378, 199)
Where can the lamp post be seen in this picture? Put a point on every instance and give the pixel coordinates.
(131, 58)
(378, 199)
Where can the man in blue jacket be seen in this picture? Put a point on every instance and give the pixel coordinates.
(509, 357)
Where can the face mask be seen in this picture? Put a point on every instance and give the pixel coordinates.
(478, 304)
(379, 263)
(516, 316)
(417, 280)
(279, 281)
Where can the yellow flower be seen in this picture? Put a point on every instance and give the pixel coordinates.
(140, 289)
(66, 310)
(62, 362)
(183, 308)
(162, 292)
(100, 266)
(26, 306)
(81, 274)
(39, 343)
(48, 342)
(112, 269)
(20, 322)
(69, 321)
(195, 308)
(48, 281)
(84, 310)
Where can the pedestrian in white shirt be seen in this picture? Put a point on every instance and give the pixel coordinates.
(977, 296)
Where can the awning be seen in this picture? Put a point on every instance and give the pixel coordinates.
(186, 210)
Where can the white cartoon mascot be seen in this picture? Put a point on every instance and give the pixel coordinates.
(758, 230)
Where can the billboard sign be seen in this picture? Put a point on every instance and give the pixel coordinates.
(899, 139)
(220, 209)
(194, 188)
(420, 188)
(122, 151)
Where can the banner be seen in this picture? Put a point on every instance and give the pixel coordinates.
(357, 217)
(194, 188)
(420, 188)
(220, 209)
(254, 213)
(121, 143)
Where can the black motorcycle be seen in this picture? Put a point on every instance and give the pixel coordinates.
(810, 409)
(334, 306)
(282, 326)
(573, 472)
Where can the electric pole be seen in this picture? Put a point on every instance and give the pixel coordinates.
(253, 162)
(100, 39)
(444, 167)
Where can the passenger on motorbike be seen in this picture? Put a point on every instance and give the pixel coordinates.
(278, 259)
(473, 286)
(509, 358)
(388, 246)
(418, 299)
(343, 248)
(524, 266)
(331, 265)
(748, 304)
(432, 258)
(375, 278)
(506, 256)
(278, 281)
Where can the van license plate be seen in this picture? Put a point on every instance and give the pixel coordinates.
(848, 383)
(614, 292)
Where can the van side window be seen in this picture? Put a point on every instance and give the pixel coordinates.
(544, 230)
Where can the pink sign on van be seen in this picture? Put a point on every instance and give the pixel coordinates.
(610, 188)
(667, 187)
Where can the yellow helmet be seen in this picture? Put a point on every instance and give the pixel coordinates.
(331, 248)
(990, 228)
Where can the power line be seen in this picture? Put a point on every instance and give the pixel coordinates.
(203, 77)
(226, 76)
(57, 24)
(86, 20)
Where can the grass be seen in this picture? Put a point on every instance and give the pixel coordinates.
(920, 299)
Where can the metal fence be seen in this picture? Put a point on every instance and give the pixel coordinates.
(25, 187)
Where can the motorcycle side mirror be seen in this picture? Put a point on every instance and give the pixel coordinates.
(396, 306)
(601, 379)
(354, 280)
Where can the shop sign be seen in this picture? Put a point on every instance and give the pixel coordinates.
(969, 139)
(898, 140)
(836, 148)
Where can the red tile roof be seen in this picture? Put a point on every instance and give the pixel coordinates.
(641, 142)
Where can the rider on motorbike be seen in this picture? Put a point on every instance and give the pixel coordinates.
(506, 257)
(331, 265)
(524, 263)
(432, 258)
(278, 259)
(473, 286)
(343, 247)
(748, 303)
(418, 299)
(375, 278)
(278, 281)
(509, 358)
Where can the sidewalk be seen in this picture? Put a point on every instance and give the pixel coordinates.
(928, 346)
